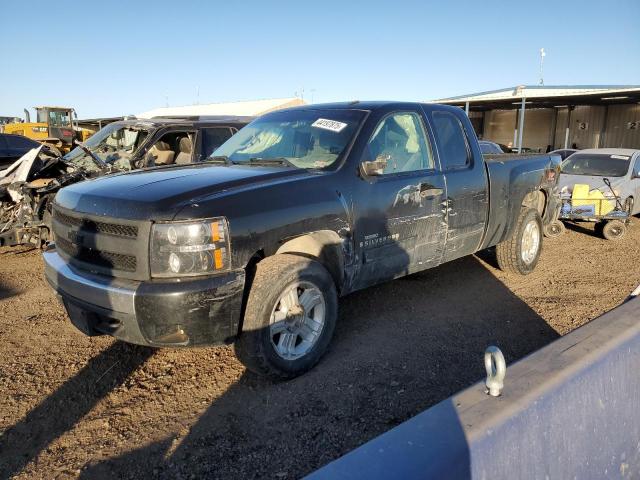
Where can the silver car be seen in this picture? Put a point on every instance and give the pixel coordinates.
(620, 165)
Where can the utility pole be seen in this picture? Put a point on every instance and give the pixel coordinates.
(542, 55)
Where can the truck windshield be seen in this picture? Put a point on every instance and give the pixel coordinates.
(596, 164)
(312, 139)
(114, 144)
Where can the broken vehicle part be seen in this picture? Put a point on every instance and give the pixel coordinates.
(29, 184)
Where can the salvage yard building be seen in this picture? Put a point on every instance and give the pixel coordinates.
(544, 117)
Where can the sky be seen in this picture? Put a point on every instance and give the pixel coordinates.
(124, 57)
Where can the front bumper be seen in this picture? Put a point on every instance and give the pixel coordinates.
(182, 313)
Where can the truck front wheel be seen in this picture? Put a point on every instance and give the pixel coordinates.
(521, 252)
(290, 317)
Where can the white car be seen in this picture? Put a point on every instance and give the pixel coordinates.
(620, 165)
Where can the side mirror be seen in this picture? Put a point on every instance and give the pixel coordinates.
(377, 166)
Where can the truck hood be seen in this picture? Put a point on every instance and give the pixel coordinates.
(159, 193)
(594, 182)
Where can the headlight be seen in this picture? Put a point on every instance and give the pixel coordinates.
(190, 248)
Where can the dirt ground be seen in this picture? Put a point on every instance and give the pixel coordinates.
(72, 406)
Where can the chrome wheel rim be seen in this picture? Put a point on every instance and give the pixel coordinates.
(530, 242)
(297, 320)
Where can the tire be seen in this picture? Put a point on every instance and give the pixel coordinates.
(266, 345)
(46, 217)
(520, 253)
(555, 229)
(614, 230)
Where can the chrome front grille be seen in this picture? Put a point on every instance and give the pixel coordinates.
(104, 245)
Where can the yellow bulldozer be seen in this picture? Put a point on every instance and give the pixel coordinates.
(53, 127)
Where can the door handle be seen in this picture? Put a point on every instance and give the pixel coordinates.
(429, 191)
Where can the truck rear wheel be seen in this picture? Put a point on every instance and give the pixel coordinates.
(521, 252)
(290, 317)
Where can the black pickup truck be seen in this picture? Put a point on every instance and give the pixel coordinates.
(300, 207)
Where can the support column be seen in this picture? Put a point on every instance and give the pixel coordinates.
(521, 124)
(601, 143)
(566, 133)
(554, 125)
(466, 108)
(515, 132)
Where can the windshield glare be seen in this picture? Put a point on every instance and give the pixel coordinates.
(114, 144)
(304, 138)
(596, 164)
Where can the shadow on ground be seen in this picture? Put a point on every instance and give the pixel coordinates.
(586, 228)
(65, 407)
(399, 348)
(6, 291)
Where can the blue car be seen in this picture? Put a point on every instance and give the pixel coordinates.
(12, 147)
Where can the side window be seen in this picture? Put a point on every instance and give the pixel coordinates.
(636, 168)
(173, 147)
(212, 138)
(451, 141)
(401, 141)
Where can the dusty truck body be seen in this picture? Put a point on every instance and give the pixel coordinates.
(300, 207)
(28, 186)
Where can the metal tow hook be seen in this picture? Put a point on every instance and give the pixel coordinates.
(496, 370)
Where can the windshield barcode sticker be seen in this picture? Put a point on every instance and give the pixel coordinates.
(329, 125)
(620, 157)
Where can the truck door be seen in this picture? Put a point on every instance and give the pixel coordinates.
(466, 179)
(400, 225)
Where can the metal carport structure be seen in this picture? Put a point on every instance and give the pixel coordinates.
(596, 115)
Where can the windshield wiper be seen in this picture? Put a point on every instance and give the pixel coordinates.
(271, 161)
(220, 159)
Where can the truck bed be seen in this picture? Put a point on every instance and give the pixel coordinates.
(512, 176)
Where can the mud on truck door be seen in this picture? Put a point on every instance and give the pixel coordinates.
(467, 200)
(401, 224)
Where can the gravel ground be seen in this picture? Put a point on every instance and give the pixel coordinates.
(72, 406)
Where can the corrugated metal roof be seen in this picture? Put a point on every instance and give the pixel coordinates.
(245, 108)
(542, 91)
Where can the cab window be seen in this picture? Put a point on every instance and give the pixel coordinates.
(636, 168)
(212, 138)
(175, 147)
(400, 141)
(59, 118)
(451, 141)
